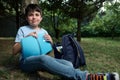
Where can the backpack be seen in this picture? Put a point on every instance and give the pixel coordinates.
(69, 49)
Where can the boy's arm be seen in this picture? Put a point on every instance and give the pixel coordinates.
(16, 48)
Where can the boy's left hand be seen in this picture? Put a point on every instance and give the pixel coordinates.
(48, 38)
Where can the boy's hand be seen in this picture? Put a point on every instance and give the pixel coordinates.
(48, 38)
(34, 34)
(16, 48)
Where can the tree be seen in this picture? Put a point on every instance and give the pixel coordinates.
(53, 7)
(112, 18)
(106, 23)
(26, 2)
(9, 6)
(78, 9)
(81, 10)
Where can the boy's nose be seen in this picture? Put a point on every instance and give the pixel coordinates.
(34, 16)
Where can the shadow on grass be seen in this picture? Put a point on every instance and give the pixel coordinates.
(9, 66)
(9, 70)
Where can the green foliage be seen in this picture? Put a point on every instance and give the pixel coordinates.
(113, 18)
(106, 23)
(8, 7)
(65, 25)
(76, 9)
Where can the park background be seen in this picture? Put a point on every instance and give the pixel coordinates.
(95, 23)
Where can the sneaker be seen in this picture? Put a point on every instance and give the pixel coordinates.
(114, 76)
(103, 76)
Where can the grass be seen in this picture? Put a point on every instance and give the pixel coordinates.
(102, 55)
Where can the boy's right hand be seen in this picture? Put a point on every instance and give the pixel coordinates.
(34, 34)
(16, 48)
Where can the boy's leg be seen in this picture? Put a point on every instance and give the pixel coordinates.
(64, 62)
(52, 65)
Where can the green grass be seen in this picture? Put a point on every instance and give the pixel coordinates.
(102, 55)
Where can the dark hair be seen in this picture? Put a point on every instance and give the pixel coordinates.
(33, 7)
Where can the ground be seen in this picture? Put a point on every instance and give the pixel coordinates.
(9, 67)
(102, 55)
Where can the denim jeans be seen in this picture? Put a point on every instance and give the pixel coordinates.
(52, 65)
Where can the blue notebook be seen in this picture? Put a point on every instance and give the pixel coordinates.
(32, 46)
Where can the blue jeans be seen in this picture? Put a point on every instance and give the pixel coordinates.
(52, 65)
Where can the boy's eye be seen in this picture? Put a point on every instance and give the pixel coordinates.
(37, 14)
(30, 15)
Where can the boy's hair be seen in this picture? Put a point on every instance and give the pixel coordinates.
(33, 7)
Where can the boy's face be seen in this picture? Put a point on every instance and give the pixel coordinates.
(34, 18)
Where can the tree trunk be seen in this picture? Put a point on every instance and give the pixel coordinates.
(17, 15)
(26, 2)
(78, 29)
(55, 25)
